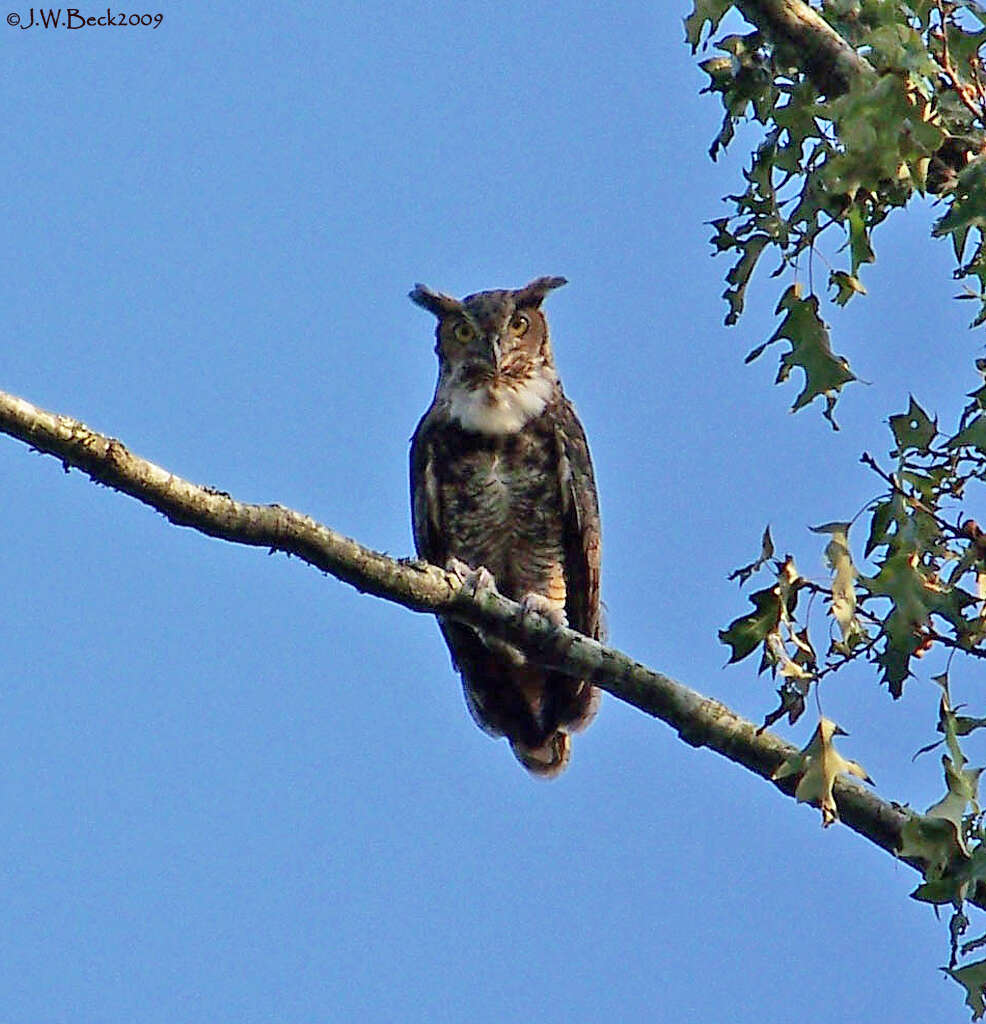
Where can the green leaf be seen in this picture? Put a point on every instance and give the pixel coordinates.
(900, 580)
(884, 515)
(773, 606)
(937, 836)
(885, 137)
(964, 724)
(894, 660)
(979, 395)
(915, 597)
(963, 790)
(914, 428)
(900, 47)
(968, 201)
(825, 373)
(937, 891)
(766, 553)
(931, 840)
(723, 239)
(847, 286)
(792, 693)
(973, 436)
(746, 633)
(972, 978)
(859, 239)
(964, 45)
(710, 11)
(739, 275)
(954, 885)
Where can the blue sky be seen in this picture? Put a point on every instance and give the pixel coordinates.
(234, 790)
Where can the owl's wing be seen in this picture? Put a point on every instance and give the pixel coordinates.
(470, 656)
(426, 513)
(580, 506)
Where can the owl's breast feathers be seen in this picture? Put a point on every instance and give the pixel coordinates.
(522, 503)
(505, 405)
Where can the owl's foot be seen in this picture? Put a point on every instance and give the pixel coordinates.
(541, 605)
(471, 581)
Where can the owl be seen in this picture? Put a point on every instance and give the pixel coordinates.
(503, 493)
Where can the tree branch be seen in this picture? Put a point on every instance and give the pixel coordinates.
(699, 720)
(826, 58)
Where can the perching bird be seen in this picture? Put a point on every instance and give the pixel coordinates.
(502, 483)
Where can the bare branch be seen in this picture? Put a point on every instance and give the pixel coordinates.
(699, 720)
(825, 57)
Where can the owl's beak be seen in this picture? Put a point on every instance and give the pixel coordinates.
(493, 340)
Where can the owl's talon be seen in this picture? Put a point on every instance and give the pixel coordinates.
(471, 581)
(541, 605)
(458, 568)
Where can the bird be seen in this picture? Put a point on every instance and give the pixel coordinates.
(503, 494)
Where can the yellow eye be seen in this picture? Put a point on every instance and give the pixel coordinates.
(519, 324)
(463, 331)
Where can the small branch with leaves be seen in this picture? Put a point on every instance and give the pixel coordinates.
(859, 110)
(924, 549)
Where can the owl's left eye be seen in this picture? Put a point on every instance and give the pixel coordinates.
(519, 324)
(463, 331)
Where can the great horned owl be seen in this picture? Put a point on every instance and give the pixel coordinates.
(502, 483)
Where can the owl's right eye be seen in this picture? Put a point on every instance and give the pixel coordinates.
(463, 331)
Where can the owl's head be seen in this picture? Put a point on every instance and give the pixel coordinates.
(492, 334)
(496, 370)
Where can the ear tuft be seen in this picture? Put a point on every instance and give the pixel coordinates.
(532, 295)
(435, 302)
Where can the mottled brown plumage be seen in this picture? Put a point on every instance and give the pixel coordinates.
(501, 479)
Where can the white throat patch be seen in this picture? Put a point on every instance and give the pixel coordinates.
(506, 409)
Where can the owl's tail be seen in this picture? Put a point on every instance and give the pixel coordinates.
(547, 760)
